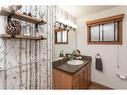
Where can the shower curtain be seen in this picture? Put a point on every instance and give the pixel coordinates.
(27, 64)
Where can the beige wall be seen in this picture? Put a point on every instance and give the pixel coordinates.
(111, 54)
(67, 48)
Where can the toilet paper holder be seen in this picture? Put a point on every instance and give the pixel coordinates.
(121, 76)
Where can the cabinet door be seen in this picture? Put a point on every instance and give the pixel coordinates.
(75, 82)
(83, 79)
(89, 74)
(61, 80)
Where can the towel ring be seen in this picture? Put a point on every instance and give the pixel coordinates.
(97, 55)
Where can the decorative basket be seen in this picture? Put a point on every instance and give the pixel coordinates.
(13, 28)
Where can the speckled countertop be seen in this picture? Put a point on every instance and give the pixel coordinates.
(71, 69)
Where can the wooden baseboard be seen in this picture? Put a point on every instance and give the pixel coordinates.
(100, 85)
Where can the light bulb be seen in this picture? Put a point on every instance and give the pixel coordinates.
(71, 24)
(75, 26)
(66, 22)
(61, 20)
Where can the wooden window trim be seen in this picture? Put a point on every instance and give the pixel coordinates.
(105, 20)
(116, 18)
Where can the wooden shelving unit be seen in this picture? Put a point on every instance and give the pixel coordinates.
(21, 16)
(22, 37)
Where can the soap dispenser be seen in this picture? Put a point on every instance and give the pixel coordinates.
(61, 54)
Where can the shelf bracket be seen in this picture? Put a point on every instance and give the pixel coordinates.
(36, 27)
(9, 17)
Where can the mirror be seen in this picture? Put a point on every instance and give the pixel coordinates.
(65, 36)
(61, 37)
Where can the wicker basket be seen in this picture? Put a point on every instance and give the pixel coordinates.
(13, 28)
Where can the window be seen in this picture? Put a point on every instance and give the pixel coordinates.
(105, 31)
(61, 37)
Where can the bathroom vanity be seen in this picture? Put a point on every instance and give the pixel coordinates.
(66, 76)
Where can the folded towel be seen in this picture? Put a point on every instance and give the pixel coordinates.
(98, 64)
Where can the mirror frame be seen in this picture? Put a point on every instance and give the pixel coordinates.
(60, 30)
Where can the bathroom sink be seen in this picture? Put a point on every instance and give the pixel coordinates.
(75, 62)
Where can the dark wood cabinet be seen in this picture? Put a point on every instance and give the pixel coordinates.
(79, 80)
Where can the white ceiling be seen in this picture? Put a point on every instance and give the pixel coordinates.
(80, 11)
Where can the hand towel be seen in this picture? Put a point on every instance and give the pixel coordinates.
(98, 64)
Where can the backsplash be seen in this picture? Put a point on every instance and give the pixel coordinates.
(80, 57)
